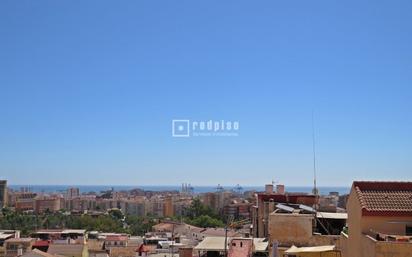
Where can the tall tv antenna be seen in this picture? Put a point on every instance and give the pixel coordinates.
(315, 189)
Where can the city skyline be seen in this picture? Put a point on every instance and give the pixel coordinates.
(90, 99)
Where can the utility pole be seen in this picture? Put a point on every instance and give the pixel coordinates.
(173, 240)
(228, 224)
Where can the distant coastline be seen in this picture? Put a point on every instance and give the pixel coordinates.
(196, 189)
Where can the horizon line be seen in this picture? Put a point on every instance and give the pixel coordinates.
(167, 185)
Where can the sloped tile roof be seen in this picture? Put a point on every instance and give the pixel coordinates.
(379, 198)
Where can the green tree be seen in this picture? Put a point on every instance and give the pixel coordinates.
(27, 223)
(200, 215)
(140, 225)
(116, 214)
(197, 208)
(206, 221)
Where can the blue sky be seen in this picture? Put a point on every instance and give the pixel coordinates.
(89, 89)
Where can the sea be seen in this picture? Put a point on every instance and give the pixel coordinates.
(196, 189)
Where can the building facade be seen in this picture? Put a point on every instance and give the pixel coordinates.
(3, 193)
(379, 220)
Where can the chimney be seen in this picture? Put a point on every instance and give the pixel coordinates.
(269, 189)
(280, 189)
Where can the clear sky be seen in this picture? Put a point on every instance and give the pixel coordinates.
(89, 89)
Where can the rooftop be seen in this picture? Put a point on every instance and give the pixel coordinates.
(66, 250)
(379, 198)
(74, 231)
(164, 227)
(116, 238)
(123, 251)
(218, 244)
(332, 215)
(36, 252)
(219, 232)
(19, 240)
(5, 236)
(49, 231)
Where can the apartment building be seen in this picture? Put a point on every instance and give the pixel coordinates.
(217, 200)
(181, 204)
(24, 201)
(168, 210)
(3, 193)
(81, 203)
(107, 203)
(238, 209)
(266, 204)
(300, 225)
(210, 199)
(136, 206)
(48, 204)
(156, 206)
(72, 192)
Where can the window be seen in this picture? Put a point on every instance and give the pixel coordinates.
(241, 244)
(408, 230)
(12, 247)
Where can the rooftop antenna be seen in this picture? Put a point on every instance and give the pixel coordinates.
(315, 189)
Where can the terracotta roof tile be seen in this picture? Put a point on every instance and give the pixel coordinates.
(384, 198)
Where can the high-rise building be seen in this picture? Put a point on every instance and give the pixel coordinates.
(72, 192)
(168, 206)
(3, 193)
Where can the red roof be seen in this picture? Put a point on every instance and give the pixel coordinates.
(275, 197)
(379, 198)
(41, 243)
(295, 198)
